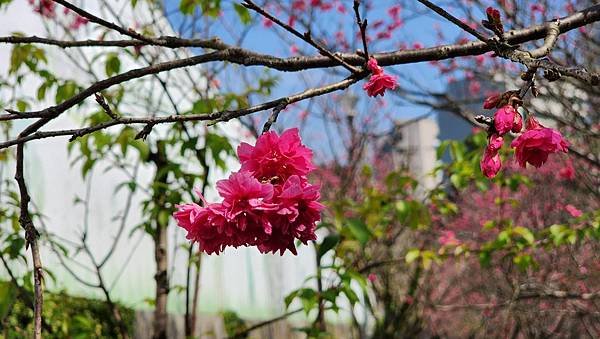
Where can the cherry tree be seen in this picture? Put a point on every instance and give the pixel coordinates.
(145, 101)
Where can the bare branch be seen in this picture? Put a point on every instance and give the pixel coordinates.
(454, 20)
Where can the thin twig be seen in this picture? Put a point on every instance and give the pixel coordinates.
(31, 237)
(454, 20)
(306, 36)
(215, 117)
(362, 26)
(273, 117)
(245, 332)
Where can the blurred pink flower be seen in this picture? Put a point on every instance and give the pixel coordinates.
(573, 211)
(567, 172)
(46, 8)
(448, 238)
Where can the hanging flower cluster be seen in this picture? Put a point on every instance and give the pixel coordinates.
(379, 81)
(268, 204)
(532, 146)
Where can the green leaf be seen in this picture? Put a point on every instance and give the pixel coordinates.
(412, 255)
(187, 7)
(525, 233)
(243, 13)
(329, 242)
(351, 295)
(22, 105)
(218, 144)
(113, 64)
(65, 91)
(87, 166)
(359, 230)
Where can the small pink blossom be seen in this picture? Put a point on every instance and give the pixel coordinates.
(78, 22)
(394, 12)
(474, 87)
(504, 119)
(448, 238)
(490, 162)
(299, 5)
(567, 172)
(573, 211)
(267, 23)
(372, 277)
(46, 8)
(517, 123)
(491, 101)
(379, 81)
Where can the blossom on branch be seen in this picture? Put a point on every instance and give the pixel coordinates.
(536, 143)
(269, 203)
(379, 81)
(505, 119)
(490, 163)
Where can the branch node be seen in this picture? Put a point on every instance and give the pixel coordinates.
(145, 131)
(102, 102)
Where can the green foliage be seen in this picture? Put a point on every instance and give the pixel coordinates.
(210, 8)
(26, 55)
(243, 13)
(112, 65)
(233, 323)
(65, 316)
(4, 3)
(219, 148)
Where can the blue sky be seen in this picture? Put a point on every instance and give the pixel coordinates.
(419, 28)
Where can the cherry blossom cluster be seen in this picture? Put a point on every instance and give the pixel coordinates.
(379, 81)
(533, 146)
(269, 203)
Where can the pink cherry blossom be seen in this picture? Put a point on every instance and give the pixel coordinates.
(243, 195)
(504, 118)
(491, 101)
(536, 143)
(296, 218)
(46, 8)
(517, 123)
(269, 203)
(275, 158)
(490, 163)
(567, 172)
(379, 81)
(495, 142)
(573, 211)
(78, 22)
